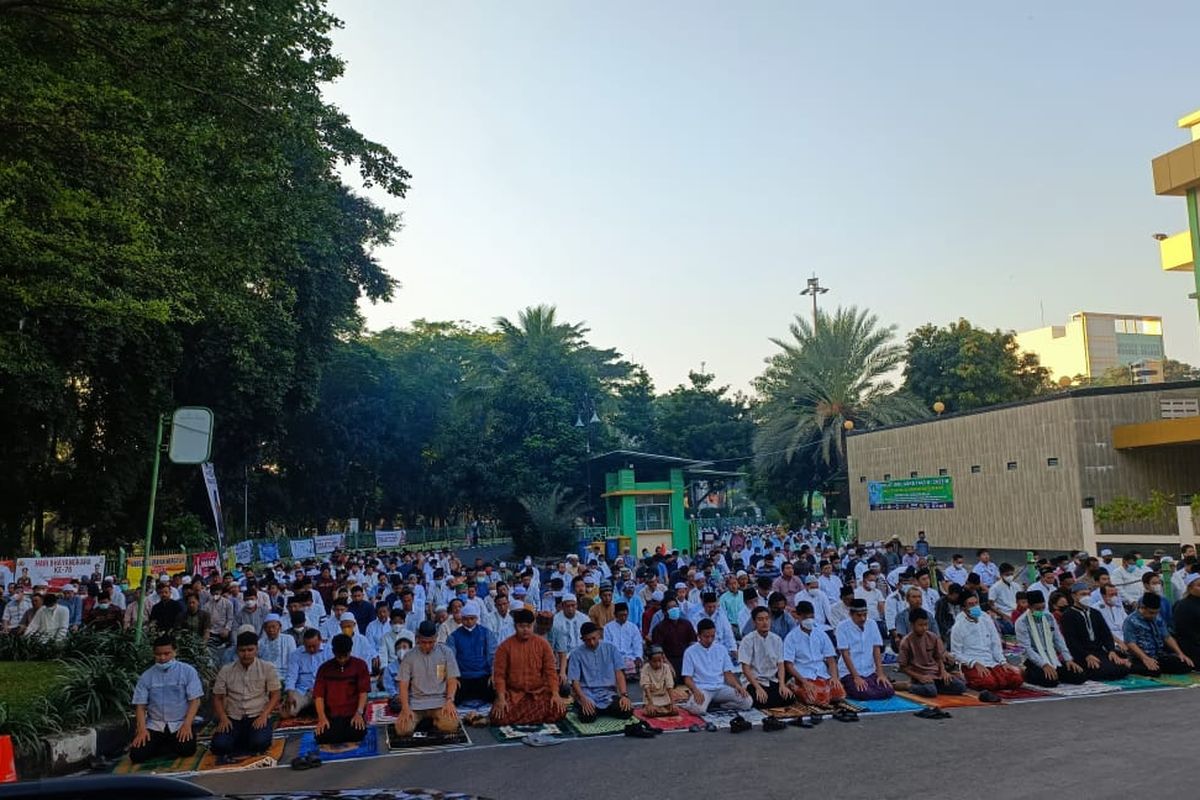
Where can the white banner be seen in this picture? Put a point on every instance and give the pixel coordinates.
(57, 571)
(354, 524)
(214, 500)
(389, 538)
(244, 552)
(302, 548)
(327, 543)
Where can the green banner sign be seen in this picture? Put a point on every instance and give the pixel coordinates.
(911, 493)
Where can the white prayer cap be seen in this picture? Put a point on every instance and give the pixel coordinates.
(186, 580)
(347, 617)
(569, 598)
(470, 609)
(273, 618)
(1188, 580)
(1106, 552)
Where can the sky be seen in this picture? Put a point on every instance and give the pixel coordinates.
(670, 173)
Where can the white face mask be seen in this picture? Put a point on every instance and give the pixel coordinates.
(808, 624)
(397, 628)
(166, 665)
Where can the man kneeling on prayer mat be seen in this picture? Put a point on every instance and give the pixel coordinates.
(245, 695)
(1153, 650)
(166, 699)
(976, 645)
(923, 658)
(761, 657)
(659, 691)
(597, 677)
(428, 681)
(1048, 662)
(708, 675)
(811, 660)
(525, 677)
(1089, 639)
(861, 649)
(340, 695)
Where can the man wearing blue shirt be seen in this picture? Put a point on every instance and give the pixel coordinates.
(165, 701)
(1152, 649)
(302, 674)
(597, 676)
(474, 648)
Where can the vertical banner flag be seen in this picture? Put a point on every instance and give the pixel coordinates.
(214, 500)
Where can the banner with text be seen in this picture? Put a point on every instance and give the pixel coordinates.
(243, 552)
(55, 572)
(214, 500)
(268, 551)
(911, 493)
(389, 538)
(302, 548)
(327, 543)
(170, 563)
(203, 563)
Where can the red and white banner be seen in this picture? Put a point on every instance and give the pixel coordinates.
(204, 563)
(58, 571)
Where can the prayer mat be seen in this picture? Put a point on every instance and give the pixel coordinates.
(601, 726)
(160, 766)
(368, 747)
(1190, 679)
(722, 718)
(515, 733)
(892, 704)
(1085, 689)
(680, 722)
(268, 759)
(295, 724)
(1017, 695)
(1134, 683)
(850, 705)
(378, 713)
(430, 738)
(945, 700)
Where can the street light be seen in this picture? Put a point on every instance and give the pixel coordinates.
(939, 407)
(814, 288)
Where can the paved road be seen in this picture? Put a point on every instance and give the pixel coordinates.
(1130, 744)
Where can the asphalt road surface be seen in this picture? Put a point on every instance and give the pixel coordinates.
(1133, 744)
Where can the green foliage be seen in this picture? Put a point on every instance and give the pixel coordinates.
(966, 367)
(175, 230)
(551, 523)
(822, 379)
(702, 421)
(1126, 509)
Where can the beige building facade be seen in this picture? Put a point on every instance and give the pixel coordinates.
(1027, 475)
(1092, 342)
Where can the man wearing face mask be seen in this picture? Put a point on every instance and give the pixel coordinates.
(1048, 662)
(1153, 649)
(104, 616)
(564, 633)
(165, 702)
(811, 661)
(1128, 580)
(674, 634)
(1152, 583)
(274, 647)
(15, 611)
(1089, 639)
(404, 642)
(976, 645)
(474, 649)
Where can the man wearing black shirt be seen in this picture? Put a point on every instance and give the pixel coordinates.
(1090, 640)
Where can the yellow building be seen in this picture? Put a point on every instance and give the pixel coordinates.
(1091, 343)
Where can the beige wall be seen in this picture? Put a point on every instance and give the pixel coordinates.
(1060, 348)
(1034, 506)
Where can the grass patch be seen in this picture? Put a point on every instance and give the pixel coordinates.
(23, 682)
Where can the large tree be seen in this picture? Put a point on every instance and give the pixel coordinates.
(967, 367)
(703, 421)
(824, 377)
(174, 230)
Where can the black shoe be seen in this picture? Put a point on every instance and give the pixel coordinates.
(637, 731)
(800, 722)
(739, 724)
(772, 724)
(816, 719)
(989, 697)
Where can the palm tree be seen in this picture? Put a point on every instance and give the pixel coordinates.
(838, 372)
(551, 527)
(537, 328)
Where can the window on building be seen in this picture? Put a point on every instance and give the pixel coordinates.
(1012, 465)
(1052, 462)
(1179, 407)
(912, 474)
(652, 512)
(943, 471)
(862, 478)
(976, 469)
(887, 476)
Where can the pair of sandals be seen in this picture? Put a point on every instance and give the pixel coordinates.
(845, 715)
(310, 761)
(740, 724)
(932, 712)
(701, 727)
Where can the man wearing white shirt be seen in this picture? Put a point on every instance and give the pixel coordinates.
(51, 621)
(868, 591)
(957, 571)
(987, 571)
(1113, 611)
(711, 609)
(975, 643)
(626, 637)
(1003, 594)
(830, 584)
(708, 675)
(1128, 579)
(15, 611)
(499, 620)
(813, 595)
(1106, 561)
(760, 655)
(860, 647)
(810, 660)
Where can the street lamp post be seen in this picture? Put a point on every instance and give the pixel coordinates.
(814, 288)
(594, 419)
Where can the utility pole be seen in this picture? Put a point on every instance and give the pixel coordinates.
(814, 288)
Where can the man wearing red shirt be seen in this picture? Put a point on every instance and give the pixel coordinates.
(340, 695)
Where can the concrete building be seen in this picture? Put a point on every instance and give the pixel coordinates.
(1091, 343)
(1029, 475)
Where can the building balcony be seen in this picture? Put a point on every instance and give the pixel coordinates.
(1176, 253)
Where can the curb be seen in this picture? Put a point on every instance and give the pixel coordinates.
(74, 750)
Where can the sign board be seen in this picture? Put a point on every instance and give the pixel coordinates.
(389, 538)
(243, 552)
(170, 563)
(911, 493)
(302, 548)
(268, 551)
(354, 524)
(327, 543)
(203, 563)
(56, 572)
(191, 435)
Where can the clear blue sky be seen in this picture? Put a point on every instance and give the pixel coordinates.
(671, 172)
